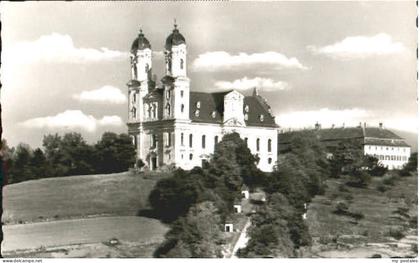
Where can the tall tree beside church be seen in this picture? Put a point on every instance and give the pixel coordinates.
(114, 153)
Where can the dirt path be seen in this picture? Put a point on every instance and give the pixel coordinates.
(242, 240)
(81, 231)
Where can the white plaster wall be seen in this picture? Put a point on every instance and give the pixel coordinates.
(144, 57)
(182, 152)
(378, 150)
(179, 52)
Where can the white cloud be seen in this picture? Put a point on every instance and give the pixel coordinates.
(106, 94)
(405, 124)
(360, 47)
(72, 119)
(221, 60)
(57, 48)
(325, 117)
(110, 121)
(245, 84)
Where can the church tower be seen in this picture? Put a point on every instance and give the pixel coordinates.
(138, 87)
(176, 84)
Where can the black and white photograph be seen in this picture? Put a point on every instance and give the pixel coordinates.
(209, 129)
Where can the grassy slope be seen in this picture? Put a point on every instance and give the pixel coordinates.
(75, 197)
(378, 209)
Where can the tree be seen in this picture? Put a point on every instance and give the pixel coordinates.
(173, 196)
(21, 169)
(197, 234)
(114, 153)
(38, 163)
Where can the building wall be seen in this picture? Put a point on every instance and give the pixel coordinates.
(391, 156)
(171, 148)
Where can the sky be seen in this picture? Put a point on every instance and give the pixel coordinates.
(65, 65)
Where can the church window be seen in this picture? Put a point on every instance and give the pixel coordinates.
(197, 113)
(168, 94)
(270, 160)
(154, 111)
(258, 145)
(203, 141)
(182, 64)
(149, 112)
(191, 140)
(191, 156)
(168, 139)
(134, 97)
(198, 104)
(213, 114)
(269, 145)
(246, 116)
(146, 69)
(133, 113)
(246, 141)
(154, 141)
(168, 110)
(182, 139)
(246, 108)
(261, 118)
(182, 108)
(182, 93)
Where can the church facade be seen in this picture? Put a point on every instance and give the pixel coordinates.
(172, 125)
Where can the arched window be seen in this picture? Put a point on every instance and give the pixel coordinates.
(149, 112)
(198, 104)
(269, 145)
(203, 141)
(197, 113)
(182, 139)
(246, 141)
(258, 144)
(146, 69)
(191, 140)
(134, 97)
(133, 113)
(270, 160)
(182, 108)
(181, 64)
(191, 156)
(154, 111)
(168, 110)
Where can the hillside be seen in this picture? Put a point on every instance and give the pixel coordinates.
(383, 223)
(77, 216)
(75, 196)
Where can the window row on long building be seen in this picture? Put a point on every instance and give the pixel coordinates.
(391, 157)
(168, 140)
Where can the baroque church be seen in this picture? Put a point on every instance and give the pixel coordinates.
(172, 125)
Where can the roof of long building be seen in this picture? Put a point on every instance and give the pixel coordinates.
(368, 135)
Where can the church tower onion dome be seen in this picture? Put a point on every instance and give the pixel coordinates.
(140, 43)
(174, 39)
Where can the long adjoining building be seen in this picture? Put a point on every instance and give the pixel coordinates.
(172, 125)
(390, 149)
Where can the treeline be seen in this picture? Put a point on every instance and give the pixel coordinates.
(68, 155)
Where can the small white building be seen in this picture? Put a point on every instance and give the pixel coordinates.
(237, 208)
(228, 228)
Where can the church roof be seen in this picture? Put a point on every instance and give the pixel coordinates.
(212, 107)
(140, 43)
(174, 39)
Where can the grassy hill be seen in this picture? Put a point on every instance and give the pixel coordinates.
(121, 194)
(378, 222)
